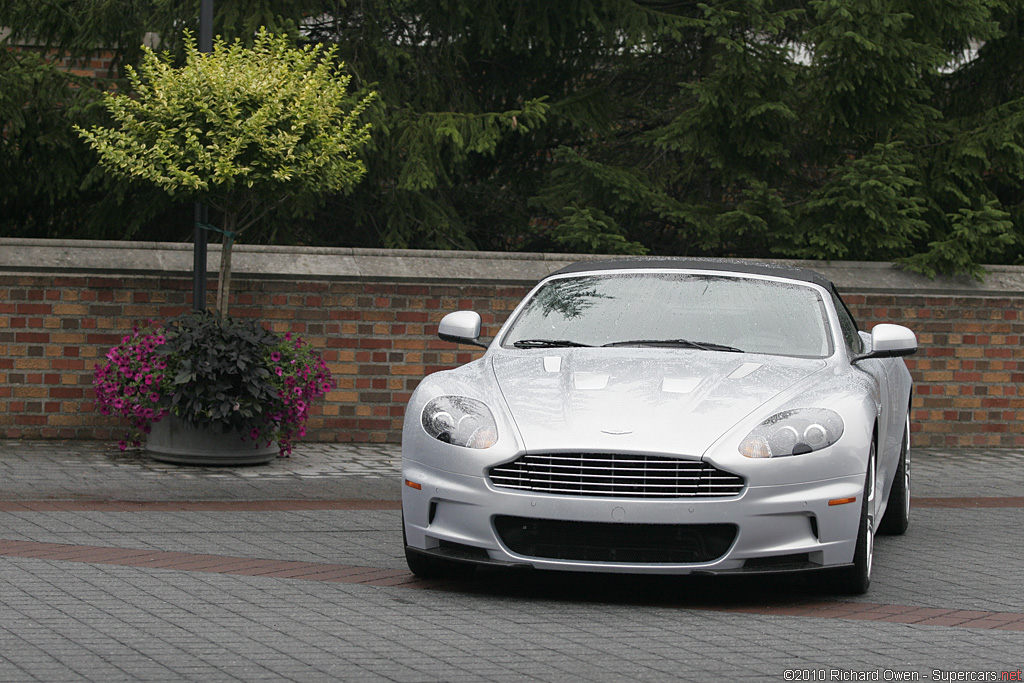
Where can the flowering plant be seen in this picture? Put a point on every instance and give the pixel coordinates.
(230, 373)
(130, 383)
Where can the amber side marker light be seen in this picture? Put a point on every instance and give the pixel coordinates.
(414, 485)
(837, 501)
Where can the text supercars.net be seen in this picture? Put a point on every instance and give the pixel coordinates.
(817, 675)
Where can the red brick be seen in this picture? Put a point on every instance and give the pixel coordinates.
(34, 309)
(384, 334)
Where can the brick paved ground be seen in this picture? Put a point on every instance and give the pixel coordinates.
(113, 567)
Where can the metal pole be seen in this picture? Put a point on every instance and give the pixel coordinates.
(199, 259)
(199, 235)
(206, 26)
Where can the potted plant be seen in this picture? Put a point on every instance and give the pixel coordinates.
(249, 131)
(200, 378)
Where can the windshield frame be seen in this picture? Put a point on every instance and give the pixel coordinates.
(824, 301)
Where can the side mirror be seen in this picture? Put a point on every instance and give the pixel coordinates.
(890, 341)
(461, 327)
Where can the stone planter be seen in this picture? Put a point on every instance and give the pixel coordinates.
(175, 441)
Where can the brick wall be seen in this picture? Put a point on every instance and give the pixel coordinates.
(373, 315)
(96, 64)
(969, 371)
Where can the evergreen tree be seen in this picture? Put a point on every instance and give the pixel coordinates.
(822, 129)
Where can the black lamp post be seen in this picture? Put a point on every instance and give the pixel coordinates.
(199, 236)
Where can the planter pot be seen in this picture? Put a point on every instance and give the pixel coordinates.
(176, 441)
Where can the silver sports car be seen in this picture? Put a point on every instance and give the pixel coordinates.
(663, 416)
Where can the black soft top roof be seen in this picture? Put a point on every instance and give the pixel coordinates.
(724, 265)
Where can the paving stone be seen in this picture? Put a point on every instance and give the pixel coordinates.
(74, 620)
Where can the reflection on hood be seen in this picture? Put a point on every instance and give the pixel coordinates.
(652, 400)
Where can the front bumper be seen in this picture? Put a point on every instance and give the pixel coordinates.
(779, 527)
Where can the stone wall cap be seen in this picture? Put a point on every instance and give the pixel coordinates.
(112, 258)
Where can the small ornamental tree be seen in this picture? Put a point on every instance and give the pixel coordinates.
(241, 129)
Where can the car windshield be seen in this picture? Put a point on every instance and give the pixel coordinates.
(694, 311)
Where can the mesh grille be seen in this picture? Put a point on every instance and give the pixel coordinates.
(615, 474)
(614, 542)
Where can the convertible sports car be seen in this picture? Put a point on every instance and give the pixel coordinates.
(668, 416)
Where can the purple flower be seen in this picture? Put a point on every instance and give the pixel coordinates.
(135, 377)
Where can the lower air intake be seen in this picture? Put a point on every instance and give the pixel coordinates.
(613, 542)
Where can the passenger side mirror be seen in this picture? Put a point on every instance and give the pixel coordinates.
(890, 341)
(461, 327)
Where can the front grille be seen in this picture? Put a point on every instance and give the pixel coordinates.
(615, 542)
(621, 475)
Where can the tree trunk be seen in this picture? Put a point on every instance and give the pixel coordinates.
(224, 274)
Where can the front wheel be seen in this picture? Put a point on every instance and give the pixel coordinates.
(897, 515)
(429, 567)
(856, 579)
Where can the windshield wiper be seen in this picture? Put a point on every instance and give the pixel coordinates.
(545, 343)
(686, 343)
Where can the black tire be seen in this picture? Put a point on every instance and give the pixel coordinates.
(897, 514)
(428, 567)
(856, 579)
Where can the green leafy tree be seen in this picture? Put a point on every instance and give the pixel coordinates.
(242, 129)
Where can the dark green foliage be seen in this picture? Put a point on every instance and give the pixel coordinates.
(219, 369)
(853, 129)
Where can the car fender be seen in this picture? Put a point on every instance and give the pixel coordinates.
(474, 380)
(852, 395)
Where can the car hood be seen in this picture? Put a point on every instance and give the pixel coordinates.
(654, 400)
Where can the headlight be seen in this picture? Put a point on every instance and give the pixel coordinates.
(793, 432)
(460, 421)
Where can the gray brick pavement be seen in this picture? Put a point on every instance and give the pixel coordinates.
(79, 621)
(360, 537)
(975, 472)
(119, 623)
(40, 470)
